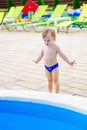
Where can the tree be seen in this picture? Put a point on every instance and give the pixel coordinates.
(39, 2)
(23, 2)
(10, 3)
(55, 3)
(76, 4)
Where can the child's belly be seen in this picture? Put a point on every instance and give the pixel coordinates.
(50, 61)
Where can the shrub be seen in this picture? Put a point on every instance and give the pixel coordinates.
(23, 2)
(76, 4)
(55, 3)
(10, 3)
(40, 2)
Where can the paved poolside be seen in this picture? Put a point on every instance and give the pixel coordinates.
(18, 72)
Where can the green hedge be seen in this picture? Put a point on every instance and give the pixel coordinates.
(40, 2)
(55, 3)
(76, 4)
(23, 2)
(10, 4)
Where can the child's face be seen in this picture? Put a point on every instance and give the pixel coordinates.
(48, 39)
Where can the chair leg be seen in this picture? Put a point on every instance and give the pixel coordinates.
(58, 30)
(27, 28)
(9, 28)
(67, 30)
(19, 28)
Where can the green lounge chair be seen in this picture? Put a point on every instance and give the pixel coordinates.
(56, 15)
(1, 18)
(36, 17)
(81, 19)
(8, 15)
(15, 14)
(54, 18)
(39, 12)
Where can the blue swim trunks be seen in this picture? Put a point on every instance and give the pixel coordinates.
(51, 68)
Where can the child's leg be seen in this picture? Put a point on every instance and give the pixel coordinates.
(55, 76)
(50, 82)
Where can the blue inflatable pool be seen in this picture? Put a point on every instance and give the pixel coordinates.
(26, 115)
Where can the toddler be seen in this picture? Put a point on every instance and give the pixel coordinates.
(49, 51)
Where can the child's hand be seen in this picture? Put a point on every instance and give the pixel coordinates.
(72, 63)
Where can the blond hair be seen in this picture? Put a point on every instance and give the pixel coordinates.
(49, 30)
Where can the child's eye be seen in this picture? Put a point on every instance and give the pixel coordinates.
(48, 40)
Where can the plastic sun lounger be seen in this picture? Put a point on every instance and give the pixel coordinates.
(81, 19)
(15, 14)
(54, 18)
(56, 15)
(1, 18)
(8, 15)
(39, 13)
(36, 17)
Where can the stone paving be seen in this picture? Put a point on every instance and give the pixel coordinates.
(18, 72)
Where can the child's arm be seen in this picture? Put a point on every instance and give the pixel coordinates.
(39, 57)
(64, 57)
